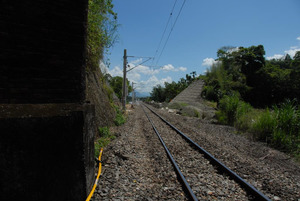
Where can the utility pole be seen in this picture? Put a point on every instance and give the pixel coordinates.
(124, 90)
(133, 92)
(124, 79)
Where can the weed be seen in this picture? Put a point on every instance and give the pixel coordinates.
(286, 133)
(197, 114)
(104, 140)
(264, 124)
(228, 108)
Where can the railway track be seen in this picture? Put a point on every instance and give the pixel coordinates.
(203, 177)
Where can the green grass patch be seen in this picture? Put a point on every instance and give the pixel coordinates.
(177, 105)
(120, 118)
(279, 127)
(105, 138)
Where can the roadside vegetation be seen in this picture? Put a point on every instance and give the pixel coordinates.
(256, 95)
(101, 35)
(101, 31)
(105, 136)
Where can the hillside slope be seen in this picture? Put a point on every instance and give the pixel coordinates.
(97, 95)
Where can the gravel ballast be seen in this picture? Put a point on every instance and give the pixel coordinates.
(136, 167)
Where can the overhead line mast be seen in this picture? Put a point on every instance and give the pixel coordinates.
(124, 87)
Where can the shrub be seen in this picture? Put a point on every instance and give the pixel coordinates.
(264, 124)
(104, 131)
(210, 93)
(228, 107)
(286, 134)
(245, 116)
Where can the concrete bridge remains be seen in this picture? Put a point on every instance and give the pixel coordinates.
(46, 129)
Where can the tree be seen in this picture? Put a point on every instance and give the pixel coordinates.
(170, 90)
(101, 31)
(158, 94)
(116, 84)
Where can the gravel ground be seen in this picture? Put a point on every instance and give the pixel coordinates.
(272, 172)
(204, 179)
(136, 167)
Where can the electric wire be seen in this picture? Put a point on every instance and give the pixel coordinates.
(171, 14)
(170, 32)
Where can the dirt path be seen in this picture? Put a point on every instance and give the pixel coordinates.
(137, 168)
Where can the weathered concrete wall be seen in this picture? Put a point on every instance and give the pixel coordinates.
(46, 150)
(42, 51)
(46, 157)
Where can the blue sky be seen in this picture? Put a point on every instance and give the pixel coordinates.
(200, 30)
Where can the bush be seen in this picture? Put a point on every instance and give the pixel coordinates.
(210, 93)
(264, 124)
(228, 107)
(286, 133)
(245, 116)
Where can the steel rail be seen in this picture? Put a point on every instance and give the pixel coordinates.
(185, 183)
(248, 187)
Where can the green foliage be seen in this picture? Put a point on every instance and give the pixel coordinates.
(210, 93)
(104, 140)
(120, 118)
(101, 31)
(263, 125)
(158, 94)
(228, 109)
(286, 133)
(279, 127)
(261, 83)
(116, 84)
(170, 90)
(232, 110)
(104, 131)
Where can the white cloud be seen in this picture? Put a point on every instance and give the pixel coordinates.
(116, 71)
(133, 76)
(135, 62)
(146, 70)
(182, 69)
(140, 73)
(292, 51)
(103, 67)
(208, 62)
(168, 67)
(276, 56)
(235, 49)
(147, 86)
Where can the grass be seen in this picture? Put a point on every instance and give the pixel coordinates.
(105, 138)
(279, 127)
(120, 118)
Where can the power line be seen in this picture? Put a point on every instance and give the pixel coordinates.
(171, 31)
(171, 14)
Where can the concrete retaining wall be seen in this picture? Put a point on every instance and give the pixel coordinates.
(46, 157)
